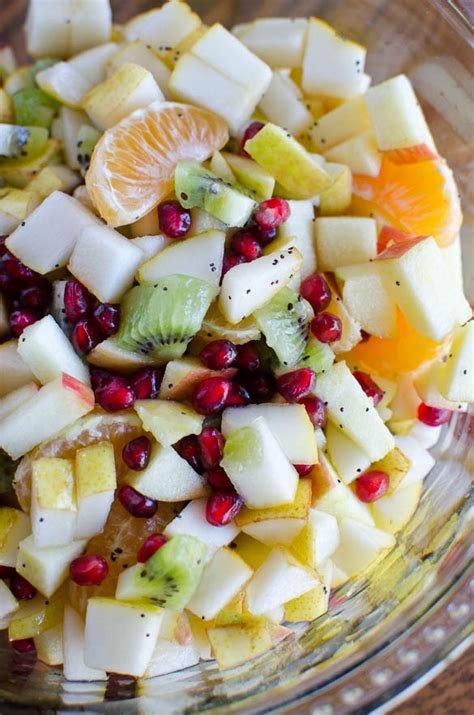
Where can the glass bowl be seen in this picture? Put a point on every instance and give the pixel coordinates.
(393, 629)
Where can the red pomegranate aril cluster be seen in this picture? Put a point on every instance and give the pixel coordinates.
(316, 291)
(35, 297)
(326, 327)
(260, 386)
(107, 317)
(218, 480)
(85, 336)
(136, 453)
(175, 221)
(21, 319)
(248, 357)
(210, 396)
(265, 235)
(249, 133)
(211, 445)
(230, 261)
(6, 571)
(150, 546)
(246, 244)
(239, 396)
(316, 410)
(222, 508)
(22, 589)
(146, 382)
(188, 449)
(370, 387)
(219, 354)
(303, 469)
(92, 321)
(78, 301)
(137, 504)
(88, 570)
(115, 395)
(433, 416)
(24, 646)
(272, 213)
(296, 385)
(372, 485)
(99, 377)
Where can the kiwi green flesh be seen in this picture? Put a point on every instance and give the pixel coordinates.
(317, 356)
(18, 142)
(87, 138)
(7, 472)
(170, 577)
(159, 319)
(284, 321)
(34, 107)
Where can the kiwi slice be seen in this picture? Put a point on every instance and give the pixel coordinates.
(284, 321)
(17, 142)
(317, 356)
(159, 319)
(7, 472)
(198, 187)
(87, 138)
(170, 577)
(34, 107)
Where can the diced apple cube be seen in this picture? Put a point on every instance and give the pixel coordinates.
(313, 603)
(64, 83)
(457, 384)
(47, 238)
(14, 527)
(332, 66)
(105, 262)
(53, 503)
(130, 87)
(166, 26)
(46, 568)
(64, 400)
(91, 24)
(170, 657)
(299, 226)
(340, 124)
(275, 531)
(192, 521)
(150, 246)
(360, 546)
(426, 435)
(168, 421)
(283, 104)
(278, 41)
(47, 28)
(344, 240)
(223, 578)
(318, 540)
(74, 637)
(236, 644)
(95, 487)
(48, 352)
(347, 457)
(126, 649)
(7, 60)
(392, 512)
(91, 64)
(396, 115)
(16, 398)
(143, 55)
(359, 153)
(421, 461)
(36, 616)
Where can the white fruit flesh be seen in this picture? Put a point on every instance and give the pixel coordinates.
(64, 400)
(422, 462)
(359, 153)
(168, 477)
(102, 246)
(278, 41)
(366, 297)
(138, 53)
(350, 326)
(237, 644)
(344, 122)
(250, 285)
(428, 382)
(91, 24)
(344, 240)
(426, 435)
(168, 421)
(166, 26)
(49, 645)
(325, 535)
(251, 175)
(347, 457)
(73, 644)
(46, 568)
(127, 649)
(200, 257)
(223, 578)
(391, 513)
(91, 64)
(53, 504)
(360, 546)
(112, 357)
(14, 372)
(283, 104)
(47, 28)
(170, 657)
(350, 409)
(14, 527)
(54, 178)
(192, 521)
(396, 115)
(338, 499)
(16, 398)
(48, 236)
(149, 245)
(289, 424)
(64, 83)
(48, 352)
(457, 384)
(258, 467)
(202, 221)
(278, 580)
(95, 488)
(71, 120)
(299, 227)
(275, 531)
(8, 602)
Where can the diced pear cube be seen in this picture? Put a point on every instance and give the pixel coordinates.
(349, 459)
(166, 26)
(313, 603)
(457, 384)
(393, 511)
(109, 355)
(47, 28)
(95, 487)
(360, 546)
(46, 568)
(64, 83)
(299, 226)
(251, 175)
(54, 178)
(170, 657)
(53, 504)
(74, 637)
(333, 497)
(278, 41)
(143, 55)
(8, 602)
(344, 241)
(49, 645)
(340, 124)
(350, 325)
(168, 421)
(318, 540)
(36, 616)
(283, 104)
(7, 60)
(19, 203)
(91, 24)
(91, 64)
(14, 527)
(17, 397)
(236, 644)
(14, 372)
(130, 87)
(359, 153)
(192, 521)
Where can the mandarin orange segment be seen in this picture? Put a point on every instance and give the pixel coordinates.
(133, 163)
(388, 357)
(420, 198)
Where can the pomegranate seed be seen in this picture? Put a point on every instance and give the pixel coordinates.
(316, 291)
(245, 244)
(261, 387)
(364, 336)
(249, 133)
(115, 395)
(219, 354)
(316, 410)
(146, 382)
(137, 504)
(272, 212)
(8, 285)
(35, 297)
(26, 645)
(210, 395)
(433, 416)
(218, 480)
(211, 445)
(248, 357)
(296, 385)
(150, 546)
(238, 397)
(99, 377)
(21, 319)
(230, 261)
(107, 317)
(77, 300)
(370, 387)
(223, 508)
(6, 571)
(88, 570)
(136, 453)
(21, 588)
(266, 235)
(326, 327)
(174, 220)
(370, 486)
(18, 270)
(303, 469)
(188, 449)
(85, 336)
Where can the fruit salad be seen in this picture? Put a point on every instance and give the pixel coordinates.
(232, 326)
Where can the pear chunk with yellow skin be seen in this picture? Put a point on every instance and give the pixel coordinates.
(288, 162)
(314, 603)
(95, 486)
(318, 540)
(35, 616)
(397, 465)
(46, 568)
(168, 421)
(53, 503)
(336, 199)
(49, 645)
(457, 382)
(14, 527)
(236, 644)
(251, 175)
(360, 546)
(393, 511)
(252, 551)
